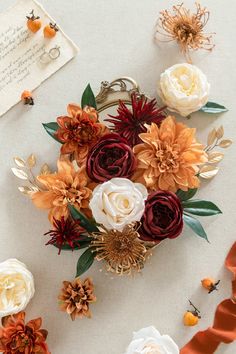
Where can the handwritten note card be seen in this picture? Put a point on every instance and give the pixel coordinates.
(20, 52)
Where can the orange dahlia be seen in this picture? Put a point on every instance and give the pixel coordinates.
(18, 337)
(169, 157)
(79, 131)
(67, 186)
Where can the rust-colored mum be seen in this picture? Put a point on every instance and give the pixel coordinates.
(79, 131)
(169, 157)
(121, 250)
(186, 28)
(65, 187)
(18, 337)
(76, 297)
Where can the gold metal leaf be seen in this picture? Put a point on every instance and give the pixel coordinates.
(19, 173)
(25, 190)
(215, 157)
(19, 162)
(45, 170)
(212, 136)
(208, 172)
(31, 161)
(225, 143)
(220, 132)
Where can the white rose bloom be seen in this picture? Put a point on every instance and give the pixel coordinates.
(150, 341)
(118, 202)
(16, 287)
(184, 89)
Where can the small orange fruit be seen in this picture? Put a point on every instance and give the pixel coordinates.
(50, 30)
(190, 319)
(27, 97)
(34, 23)
(210, 284)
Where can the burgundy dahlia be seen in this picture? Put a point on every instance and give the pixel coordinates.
(130, 123)
(162, 218)
(65, 232)
(110, 157)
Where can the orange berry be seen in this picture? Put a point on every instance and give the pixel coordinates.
(27, 97)
(34, 25)
(210, 284)
(50, 30)
(190, 319)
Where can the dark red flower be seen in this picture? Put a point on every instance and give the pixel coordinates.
(162, 218)
(18, 337)
(65, 232)
(130, 123)
(110, 157)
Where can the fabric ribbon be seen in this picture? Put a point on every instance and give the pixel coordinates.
(224, 326)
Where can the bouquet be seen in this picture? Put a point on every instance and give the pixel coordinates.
(124, 183)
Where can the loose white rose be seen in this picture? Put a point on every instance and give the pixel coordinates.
(118, 202)
(184, 88)
(16, 287)
(150, 341)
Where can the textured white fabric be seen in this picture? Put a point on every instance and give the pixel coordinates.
(115, 39)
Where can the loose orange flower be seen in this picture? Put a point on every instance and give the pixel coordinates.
(169, 156)
(76, 297)
(79, 131)
(67, 186)
(17, 337)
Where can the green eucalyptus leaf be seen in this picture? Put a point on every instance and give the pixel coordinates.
(195, 225)
(186, 195)
(84, 262)
(213, 108)
(87, 224)
(88, 98)
(200, 207)
(51, 129)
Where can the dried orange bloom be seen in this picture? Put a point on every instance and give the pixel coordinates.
(67, 186)
(76, 296)
(186, 28)
(169, 156)
(79, 131)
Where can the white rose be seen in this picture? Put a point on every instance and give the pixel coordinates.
(184, 88)
(16, 287)
(118, 202)
(150, 341)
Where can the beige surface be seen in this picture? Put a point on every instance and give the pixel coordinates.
(115, 38)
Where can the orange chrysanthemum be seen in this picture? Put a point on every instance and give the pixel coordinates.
(16, 337)
(169, 156)
(76, 297)
(79, 131)
(67, 186)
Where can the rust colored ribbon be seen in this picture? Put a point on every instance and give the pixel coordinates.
(224, 326)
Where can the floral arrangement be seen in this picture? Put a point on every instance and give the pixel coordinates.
(128, 182)
(122, 188)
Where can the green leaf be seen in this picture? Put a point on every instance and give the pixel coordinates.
(87, 224)
(84, 262)
(51, 129)
(200, 207)
(88, 98)
(195, 225)
(213, 108)
(80, 245)
(186, 195)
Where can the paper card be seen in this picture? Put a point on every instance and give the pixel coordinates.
(20, 52)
